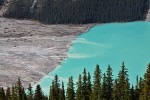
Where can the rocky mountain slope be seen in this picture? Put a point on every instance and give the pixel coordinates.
(77, 11)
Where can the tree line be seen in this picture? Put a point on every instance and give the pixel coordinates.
(103, 87)
(78, 11)
(1, 2)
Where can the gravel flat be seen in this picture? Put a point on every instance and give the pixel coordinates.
(30, 50)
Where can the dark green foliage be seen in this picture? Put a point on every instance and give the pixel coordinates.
(109, 83)
(19, 90)
(107, 89)
(96, 92)
(30, 93)
(89, 87)
(56, 87)
(24, 97)
(38, 93)
(8, 94)
(116, 90)
(123, 83)
(132, 94)
(70, 94)
(2, 94)
(78, 11)
(57, 93)
(145, 89)
(62, 93)
(19, 9)
(13, 93)
(104, 88)
(136, 90)
(52, 91)
(84, 86)
(79, 89)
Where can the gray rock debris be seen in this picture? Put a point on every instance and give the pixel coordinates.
(30, 50)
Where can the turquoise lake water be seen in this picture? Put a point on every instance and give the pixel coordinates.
(106, 44)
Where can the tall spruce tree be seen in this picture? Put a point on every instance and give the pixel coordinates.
(70, 90)
(109, 83)
(116, 90)
(137, 89)
(8, 93)
(13, 93)
(145, 89)
(30, 92)
(104, 88)
(55, 89)
(89, 87)
(132, 94)
(24, 96)
(123, 83)
(38, 93)
(79, 88)
(62, 92)
(2, 94)
(96, 91)
(52, 91)
(84, 86)
(19, 90)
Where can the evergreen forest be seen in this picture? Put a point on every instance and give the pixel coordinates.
(1, 2)
(102, 87)
(78, 11)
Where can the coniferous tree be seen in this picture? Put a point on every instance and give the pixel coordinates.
(104, 88)
(109, 83)
(70, 90)
(52, 92)
(19, 90)
(145, 89)
(89, 86)
(123, 83)
(132, 94)
(13, 93)
(62, 92)
(56, 87)
(127, 89)
(120, 90)
(79, 88)
(24, 96)
(84, 86)
(30, 92)
(137, 89)
(2, 94)
(116, 90)
(96, 91)
(8, 93)
(45, 97)
(38, 93)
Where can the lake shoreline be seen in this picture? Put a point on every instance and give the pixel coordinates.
(30, 50)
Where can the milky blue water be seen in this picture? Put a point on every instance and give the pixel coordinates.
(106, 44)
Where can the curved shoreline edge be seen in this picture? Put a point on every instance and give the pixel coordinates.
(68, 46)
(30, 50)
